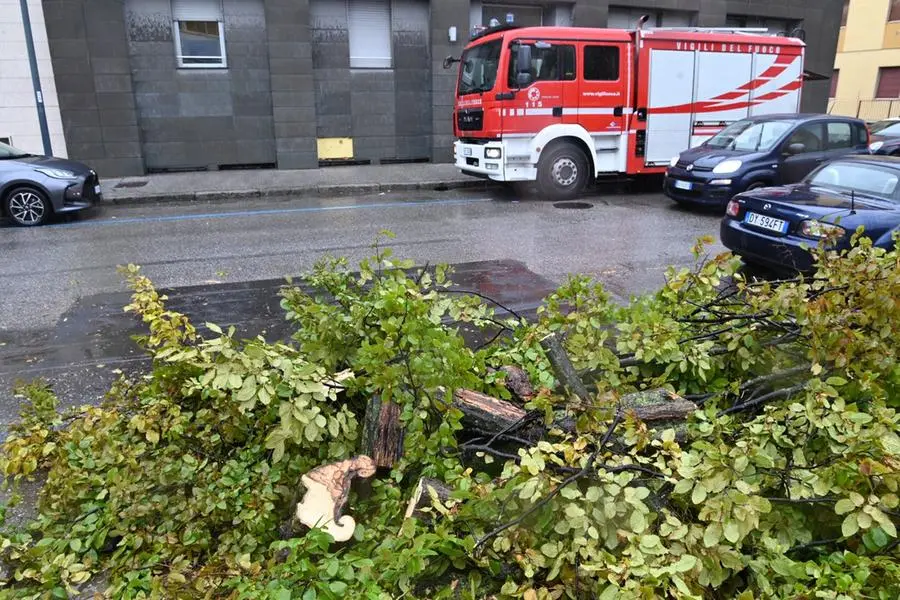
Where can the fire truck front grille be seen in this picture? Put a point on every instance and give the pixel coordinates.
(471, 119)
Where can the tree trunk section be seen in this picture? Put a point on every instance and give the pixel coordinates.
(562, 367)
(382, 438)
(486, 413)
(518, 383)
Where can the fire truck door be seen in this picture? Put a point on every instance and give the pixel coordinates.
(602, 99)
(529, 109)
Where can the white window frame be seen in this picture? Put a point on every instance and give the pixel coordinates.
(390, 33)
(176, 33)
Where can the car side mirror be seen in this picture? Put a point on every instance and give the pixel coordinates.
(523, 65)
(796, 148)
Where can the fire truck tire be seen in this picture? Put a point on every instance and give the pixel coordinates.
(562, 171)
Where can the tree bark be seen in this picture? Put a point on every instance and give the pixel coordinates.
(562, 367)
(421, 498)
(382, 437)
(518, 383)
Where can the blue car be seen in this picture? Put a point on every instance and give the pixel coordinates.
(758, 152)
(768, 226)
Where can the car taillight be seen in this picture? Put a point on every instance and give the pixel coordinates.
(733, 209)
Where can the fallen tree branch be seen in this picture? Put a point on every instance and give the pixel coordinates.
(562, 366)
(776, 395)
(546, 499)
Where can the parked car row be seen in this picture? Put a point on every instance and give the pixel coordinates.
(787, 182)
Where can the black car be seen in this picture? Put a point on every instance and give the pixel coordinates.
(769, 226)
(759, 152)
(885, 137)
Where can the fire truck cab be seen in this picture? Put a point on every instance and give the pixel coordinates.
(563, 105)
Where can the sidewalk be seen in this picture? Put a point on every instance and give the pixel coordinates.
(204, 186)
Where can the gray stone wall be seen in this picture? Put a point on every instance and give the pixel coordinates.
(89, 53)
(387, 112)
(199, 118)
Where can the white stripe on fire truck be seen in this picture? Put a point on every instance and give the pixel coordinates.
(535, 112)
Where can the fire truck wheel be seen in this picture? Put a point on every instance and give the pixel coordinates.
(562, 171)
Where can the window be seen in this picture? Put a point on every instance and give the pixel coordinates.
(772, 26)
(839, 136)
(749, 135)
(626, 17)
(548, 63)
(888, 83)
(370, 34)
(894, 13)
(479, 68)
(834, 83)
(862, 136)
(844, 13)
(601, 63)
(199, 39)
(869, 179)
(524, 16)
(810, 136)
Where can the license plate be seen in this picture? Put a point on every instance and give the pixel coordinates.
(770, 223)
(97, 189)
(683, 185)
(467, 152)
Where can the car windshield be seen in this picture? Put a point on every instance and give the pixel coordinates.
(750, 136)
(478, 70)
(886, 128)
(861, 178)
(7, 151)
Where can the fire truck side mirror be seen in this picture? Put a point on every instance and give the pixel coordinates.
(523, 65)
(448, 62)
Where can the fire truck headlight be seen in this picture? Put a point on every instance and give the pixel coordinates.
(727, 166)
(493, 153)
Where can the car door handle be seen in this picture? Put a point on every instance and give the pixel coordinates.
(557, 111)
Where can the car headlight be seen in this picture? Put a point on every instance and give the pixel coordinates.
(56, 173)
(493, 153)
(875, 146)
(819, 230)
(674, 161)
(727, 166)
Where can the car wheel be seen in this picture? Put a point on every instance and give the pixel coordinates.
(562, 172)
(27, 207)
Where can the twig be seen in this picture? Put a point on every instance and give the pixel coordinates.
(546, 499)
(813, 544)
(483, 297)
(778, 394)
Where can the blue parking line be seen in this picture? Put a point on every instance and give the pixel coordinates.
(274, 211)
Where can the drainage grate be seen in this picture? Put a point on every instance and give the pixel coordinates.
(131, 184)
(572, 205)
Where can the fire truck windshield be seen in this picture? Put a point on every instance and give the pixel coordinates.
(478, 68)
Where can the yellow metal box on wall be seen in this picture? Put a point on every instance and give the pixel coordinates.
(335, 148)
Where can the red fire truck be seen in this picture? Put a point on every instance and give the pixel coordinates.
(563, 105)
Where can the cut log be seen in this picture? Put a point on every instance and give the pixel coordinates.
(518, 383)
(562, 367)
(421, 498)
(486, 413)
(382, 437)
(327, 488)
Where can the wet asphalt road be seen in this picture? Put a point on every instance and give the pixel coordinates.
(61, 318)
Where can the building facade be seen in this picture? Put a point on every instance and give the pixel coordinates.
(19, 119)
(158, 85)
(866, 77)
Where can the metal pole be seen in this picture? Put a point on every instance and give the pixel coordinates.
(36, 79)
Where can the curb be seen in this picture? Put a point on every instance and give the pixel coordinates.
(287, 193)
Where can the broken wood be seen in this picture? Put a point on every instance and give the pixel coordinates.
(422, 498)
(382, 436)
(562, 367)
(327, 488)
(486, 413)
(518, 383)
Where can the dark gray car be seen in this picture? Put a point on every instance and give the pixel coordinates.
(32, 188)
